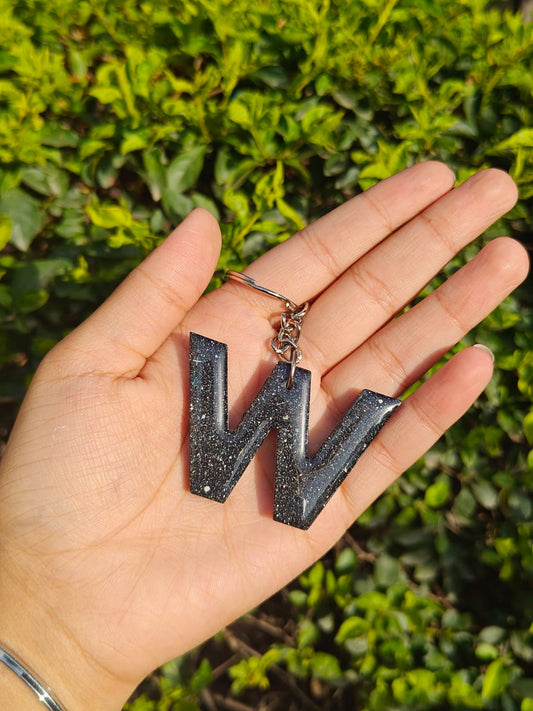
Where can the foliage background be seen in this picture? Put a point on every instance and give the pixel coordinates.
(116, 118)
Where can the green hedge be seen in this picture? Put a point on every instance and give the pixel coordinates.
(117, 118)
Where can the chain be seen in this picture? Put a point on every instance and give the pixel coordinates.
(285, 344)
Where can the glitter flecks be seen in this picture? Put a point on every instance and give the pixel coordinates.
(219, 456)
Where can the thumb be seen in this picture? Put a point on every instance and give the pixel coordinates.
(151, 302)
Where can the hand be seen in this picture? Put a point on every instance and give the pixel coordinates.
(109, 565)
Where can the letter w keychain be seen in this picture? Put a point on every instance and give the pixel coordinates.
(219, 456)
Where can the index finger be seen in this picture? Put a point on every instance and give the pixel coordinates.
(306, 264)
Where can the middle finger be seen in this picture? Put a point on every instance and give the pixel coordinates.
(382, 282)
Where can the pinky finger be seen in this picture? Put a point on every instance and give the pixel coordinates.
(420, 421)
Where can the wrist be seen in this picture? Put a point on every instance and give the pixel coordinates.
(39, 639)
(30, 679)
(14, 694)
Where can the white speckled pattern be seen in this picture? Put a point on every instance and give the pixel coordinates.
(218, 456)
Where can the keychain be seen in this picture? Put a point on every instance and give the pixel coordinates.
(219, 456)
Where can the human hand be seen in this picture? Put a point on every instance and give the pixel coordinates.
(109, 565)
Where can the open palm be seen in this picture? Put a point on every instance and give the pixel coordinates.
(101, 538)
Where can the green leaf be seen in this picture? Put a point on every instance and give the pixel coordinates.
(30, 301)
(464, 694)
(26, 215)
(275, 76)
(184, 170)
(134, 141)
(387, 571)
(528, 426)
(239, 113)
(495, 680)
(89, 147)
(486, 652)
(6, 300)
(492, 634)
(37, 275)
(59, 136)
(316, 574)
(72, 224)
(485, 493)
(6, 227)
(77, 63)
(298, 598)
(520, 139)
(154, 162)
(106, 94)
(108, 216)
(465, 504)
(202, 677)
(437, 494)
(308, 634)
(352, 627)
(506, 547)
(237, 202)
(290, 213)
(455, 620)
(325, 666)
(200, 200)
(47, 180)
(346, 561)
(178, 204)
(315, 117)
(522, 643)
(373, 600)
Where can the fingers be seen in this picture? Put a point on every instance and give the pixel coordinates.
(384, 280)
(413, 429)
(150, 303)
(399, 354)
(306, 264)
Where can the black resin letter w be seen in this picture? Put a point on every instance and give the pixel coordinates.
(218, 456)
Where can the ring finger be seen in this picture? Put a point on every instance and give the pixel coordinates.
(401, 352)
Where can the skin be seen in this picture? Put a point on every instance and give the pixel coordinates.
(109, 565)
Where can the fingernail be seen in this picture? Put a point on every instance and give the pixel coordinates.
(484, 348)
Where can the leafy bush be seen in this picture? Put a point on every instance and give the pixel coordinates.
(118, 117)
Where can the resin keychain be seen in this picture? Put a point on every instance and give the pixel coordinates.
(219, 456)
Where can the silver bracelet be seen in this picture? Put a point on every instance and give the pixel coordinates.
(39, 688)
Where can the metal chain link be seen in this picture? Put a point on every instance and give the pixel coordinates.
(285, 343)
